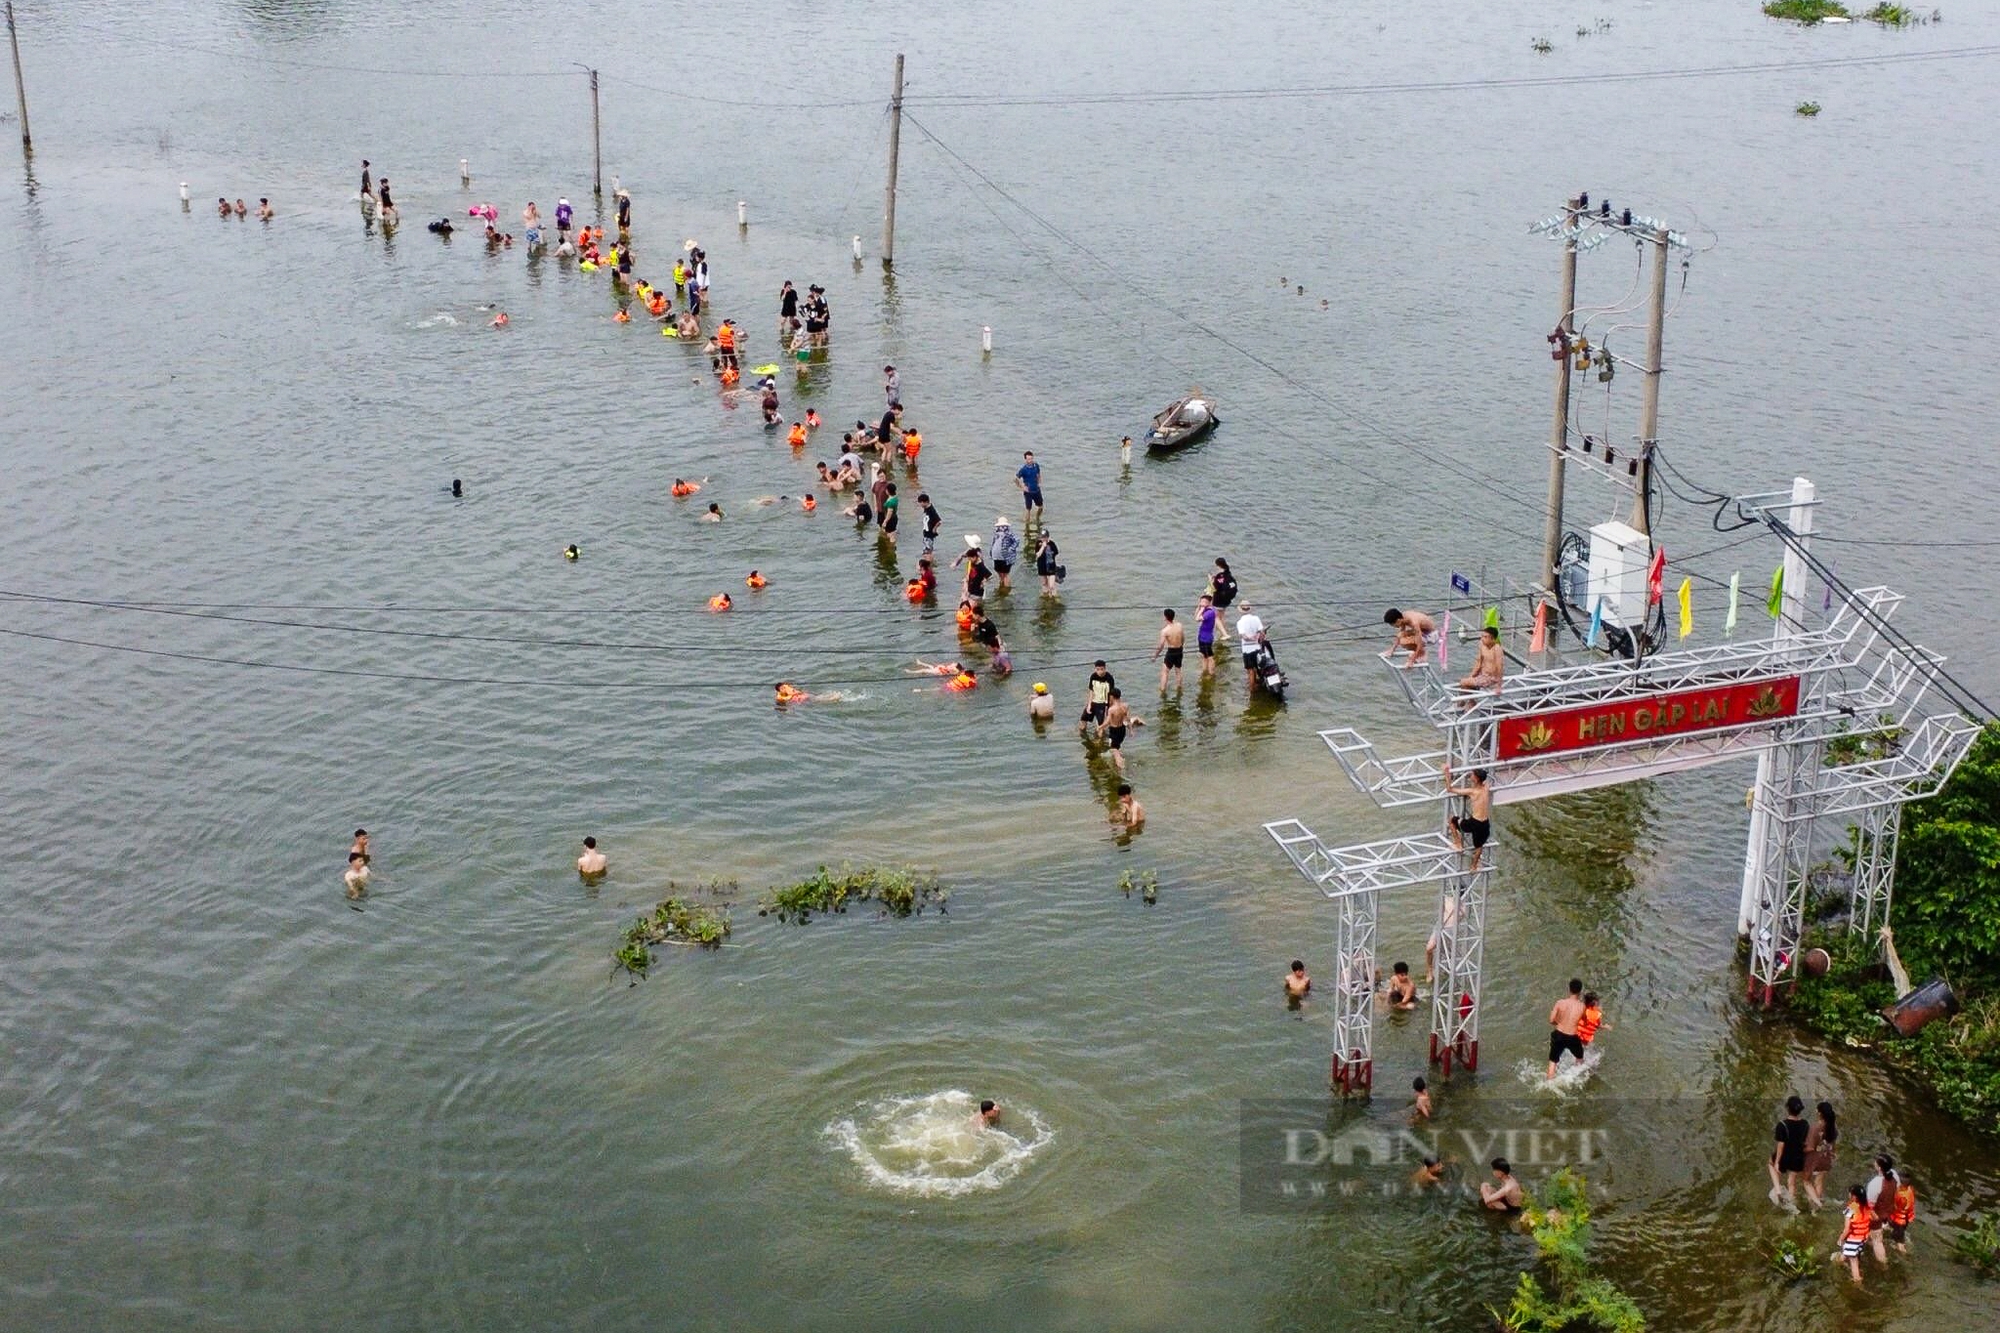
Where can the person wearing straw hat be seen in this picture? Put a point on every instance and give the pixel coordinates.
(1006, 550)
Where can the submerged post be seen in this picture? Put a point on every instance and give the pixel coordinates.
(1552, 524)
(895, 147)
(596, 142)
(21, 89)
(1649, 402)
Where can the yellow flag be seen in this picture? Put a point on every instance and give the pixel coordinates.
(1687, 607)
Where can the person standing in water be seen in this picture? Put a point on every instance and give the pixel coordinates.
(1788, 1156)
(1117, 717)
(1297, 983)
(1006, 550)
(1042, 706)
(1029, 479)
(1173, 641)
(1207, 620)
(1563, 1018)
(592, 861)
(1129, 815)
(1822, 1141)
(989, 1113)
(367, 182)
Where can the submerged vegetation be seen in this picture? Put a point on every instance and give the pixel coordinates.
(898, 890)
(1543, 45)
(1807, 12)
(1571, 1297)
(1947, 924)
(1980, 1246)
(1793, 1259)
(676, 920)
(1146, 882)
(1901, 16)
(1812, 109)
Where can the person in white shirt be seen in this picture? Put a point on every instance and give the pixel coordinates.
(1250, 633)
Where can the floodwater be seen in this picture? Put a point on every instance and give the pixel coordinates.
(229, 1101)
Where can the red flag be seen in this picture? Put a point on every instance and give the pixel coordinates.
(1656, 575)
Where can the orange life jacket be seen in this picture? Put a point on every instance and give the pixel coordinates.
(786, 694)
(808, 504)
(964, 680)
(1904, 1206)
(622, 318)
(685, 488)
(1859, 1219)
(757, 581)
(725, 338)
(914, 590)
(812, 420)
(658, 305)
(798, 437)
(912, 442)
(719, 602)
(1586, 1026)
(729, 375)
(965, 617)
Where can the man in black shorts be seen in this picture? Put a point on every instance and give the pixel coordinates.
(1096, 696)
(1563, 1018)
(1476, 824)
(1173, 643)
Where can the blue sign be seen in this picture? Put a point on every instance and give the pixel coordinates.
(1460, 583)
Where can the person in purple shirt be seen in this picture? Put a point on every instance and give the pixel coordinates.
(563, 216)
(1204, 635)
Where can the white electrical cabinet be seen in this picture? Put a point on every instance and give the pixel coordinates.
(1619, 556)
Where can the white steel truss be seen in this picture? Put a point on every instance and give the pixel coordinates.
(1852, 678)
(1874, 869)
(1354, 877)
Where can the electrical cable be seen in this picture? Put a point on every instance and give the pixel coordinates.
(946, 101)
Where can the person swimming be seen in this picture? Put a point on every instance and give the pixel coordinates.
(457, 488)
(788, 693)
(807, 503)
(720, 602)
(570, 552)
(357, 875)
(923, 668)
(989, 1113)
(714, 514)
(757, 580)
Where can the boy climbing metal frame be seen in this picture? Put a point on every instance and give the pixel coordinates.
(1841, 676)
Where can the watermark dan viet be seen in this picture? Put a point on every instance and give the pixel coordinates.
(1293, 1156)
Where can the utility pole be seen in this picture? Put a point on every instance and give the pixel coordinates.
(1552, 526)
(21, 89)
(895, 146)
(596, 142)
(1649, 403)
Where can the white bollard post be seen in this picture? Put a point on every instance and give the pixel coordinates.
(742, 214)
(464, 172)
(986, 339)
(857, 249)
(184, 191)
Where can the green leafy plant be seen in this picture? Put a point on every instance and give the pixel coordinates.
(1792, 1259)
(1807, 12)
(1980, 1246)
(677, 920)
(1898, 16)
(898, 890)
(672, 922)
(1146, 882)
(1810, 109)
(1558, 1217)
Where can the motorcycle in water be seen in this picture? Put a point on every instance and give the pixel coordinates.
(1269, 676)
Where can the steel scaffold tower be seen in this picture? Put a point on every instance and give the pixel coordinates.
(1852, 679)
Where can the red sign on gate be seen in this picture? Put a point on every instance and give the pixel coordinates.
(1674, 714)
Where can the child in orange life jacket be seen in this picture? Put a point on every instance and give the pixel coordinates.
(913, 443)
(1590, 1020)
(757, 580)
(1902, 1212)
(720, 602)
(807, 503)
(1855, 1222)
(797, 438)
(964, 680)
(965, 616)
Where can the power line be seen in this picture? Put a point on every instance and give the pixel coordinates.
(1539, 508)
(741, 101)
(260, 58)
(952, 100)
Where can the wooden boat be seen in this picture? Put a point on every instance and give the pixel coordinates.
(1183, 422)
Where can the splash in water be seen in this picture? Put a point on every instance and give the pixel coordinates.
(933, 1145)
(441, 317)
(1571, 1074)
